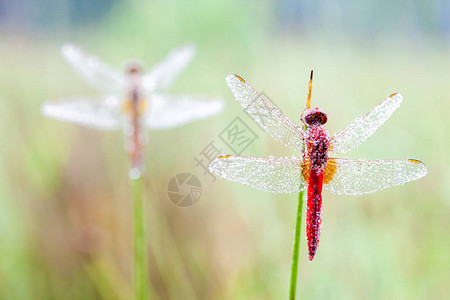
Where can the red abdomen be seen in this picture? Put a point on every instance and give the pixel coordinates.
(314, 211)
(315, 159)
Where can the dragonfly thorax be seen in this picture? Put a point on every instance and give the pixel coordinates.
(317, 144)
(315, 116)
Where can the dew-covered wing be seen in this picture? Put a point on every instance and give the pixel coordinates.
(164, 74)
(267, 116)
(95, 72)
(362, 128)
(168, 111)
(358, 176)
(102, 114)
(276, 175)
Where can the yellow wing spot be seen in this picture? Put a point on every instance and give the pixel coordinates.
(329, 171)
(126, 107)
(306, 167)
(240, 78)
(142, 106)
(393, 95)
(224, 156)
(415, 161)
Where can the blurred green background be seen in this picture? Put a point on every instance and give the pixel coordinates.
(65, 208)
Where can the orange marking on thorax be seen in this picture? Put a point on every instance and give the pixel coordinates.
(306, 169)
(127, 106)
(330, 170)
(142, 106)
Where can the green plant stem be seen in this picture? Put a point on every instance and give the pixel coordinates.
(140, 257)
(295, 251)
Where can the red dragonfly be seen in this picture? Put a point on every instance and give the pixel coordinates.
(314, 168)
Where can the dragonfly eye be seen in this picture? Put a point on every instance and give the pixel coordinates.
(315, 116)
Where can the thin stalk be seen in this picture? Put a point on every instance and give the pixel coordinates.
(140, 257)
(298, 222)
(295, 251)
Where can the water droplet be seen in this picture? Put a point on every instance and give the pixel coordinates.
(134, 173)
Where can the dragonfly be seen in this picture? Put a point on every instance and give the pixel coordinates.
(314, 168)
(131, 99)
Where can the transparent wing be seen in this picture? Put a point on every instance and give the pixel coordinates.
(266, 115)
(362, 128)
(168, 111)
(102, 114)
(358, 176)
(276, 175)
(95, 72)
(163, 75)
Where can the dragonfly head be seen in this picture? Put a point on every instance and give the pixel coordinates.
(315, 116)
(133, 67)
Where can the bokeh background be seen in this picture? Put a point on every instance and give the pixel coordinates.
(65, 207)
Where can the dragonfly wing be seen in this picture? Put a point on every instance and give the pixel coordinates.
(99, 114)
(362, 128)
(95, 72)
(168, 111)
(358, 176)
(163, 74)
(266, 115)
(276, 175)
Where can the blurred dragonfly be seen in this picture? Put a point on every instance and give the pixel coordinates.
(132, 100)
(314, 168)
